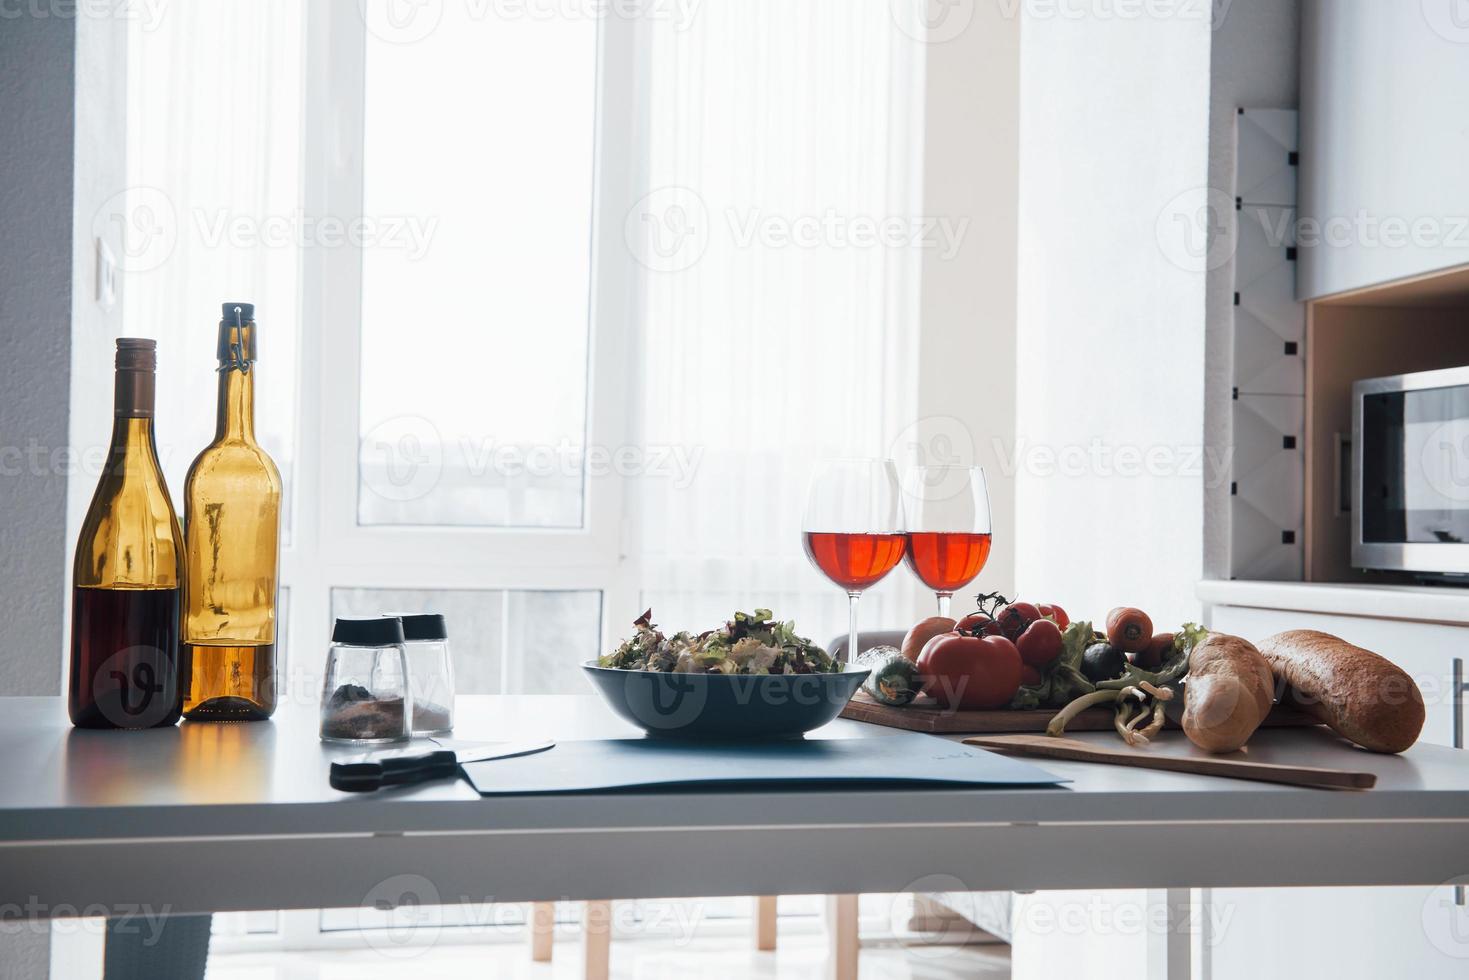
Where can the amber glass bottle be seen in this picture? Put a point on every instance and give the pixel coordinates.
(124, 670)
(232, 520)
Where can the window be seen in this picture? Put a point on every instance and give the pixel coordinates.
(557, 304)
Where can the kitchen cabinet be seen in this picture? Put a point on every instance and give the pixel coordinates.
(1384, 135)
(1346, 933)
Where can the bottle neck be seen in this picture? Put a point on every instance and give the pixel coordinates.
(132, 395)
(236, 418)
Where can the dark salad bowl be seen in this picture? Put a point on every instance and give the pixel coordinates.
(726, 706)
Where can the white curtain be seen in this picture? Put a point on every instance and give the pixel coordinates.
(781, 131)
(212, 211)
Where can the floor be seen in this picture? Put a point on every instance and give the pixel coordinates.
(799, 958)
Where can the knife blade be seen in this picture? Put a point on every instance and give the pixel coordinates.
(398, 769)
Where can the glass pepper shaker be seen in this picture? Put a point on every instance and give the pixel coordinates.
(365, 697)
(430, 673)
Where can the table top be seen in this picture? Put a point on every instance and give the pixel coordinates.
(267, 778)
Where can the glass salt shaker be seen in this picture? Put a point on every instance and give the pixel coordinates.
(365, 697)
(430, 673)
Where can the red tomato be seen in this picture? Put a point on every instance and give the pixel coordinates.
(925, 675)
(1015, 617)
(1054, 612)
(1029, 676)
(1040, 643)
(971, 671)
(978, 622)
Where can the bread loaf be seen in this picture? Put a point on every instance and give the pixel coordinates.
(1228, 693)
(1362, 697)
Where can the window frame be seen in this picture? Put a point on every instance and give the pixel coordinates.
(329, 548)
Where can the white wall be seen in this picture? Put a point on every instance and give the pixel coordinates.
(1113, 150)
(35, 343)
(966, 389)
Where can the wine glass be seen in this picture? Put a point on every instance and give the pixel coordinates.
(949, 533)
(853, 527)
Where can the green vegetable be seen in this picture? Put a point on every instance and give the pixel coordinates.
(894, 678)
(750, 643)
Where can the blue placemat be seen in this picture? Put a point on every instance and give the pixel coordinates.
(619, 764)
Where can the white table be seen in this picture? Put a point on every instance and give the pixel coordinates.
(128, 818)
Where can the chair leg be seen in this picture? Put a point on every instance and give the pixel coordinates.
(542, 931)
(596, 924)
(841, 925)
(765, 922)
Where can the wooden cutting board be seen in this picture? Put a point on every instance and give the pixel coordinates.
(924, 715)
(1231, 766)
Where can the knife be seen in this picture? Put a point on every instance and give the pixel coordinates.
(369, 773)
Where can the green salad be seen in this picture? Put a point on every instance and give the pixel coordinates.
(750, 643)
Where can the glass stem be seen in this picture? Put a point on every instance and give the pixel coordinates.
(944, 598)
(852, 627)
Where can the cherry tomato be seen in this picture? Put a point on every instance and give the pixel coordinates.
(1055, 612)
(1015, 617)
(978, 622)
(1151, 657)
(971, 671)
(1029, 676)
(1040, 644)
(1129, 629)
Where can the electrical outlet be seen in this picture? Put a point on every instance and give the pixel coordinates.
(106, 276)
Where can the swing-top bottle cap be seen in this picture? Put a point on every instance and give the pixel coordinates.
(237, 331)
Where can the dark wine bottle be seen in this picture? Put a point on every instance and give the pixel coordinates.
(126, 580)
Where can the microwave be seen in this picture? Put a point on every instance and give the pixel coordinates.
(1410, 473)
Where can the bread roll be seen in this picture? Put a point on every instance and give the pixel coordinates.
(1363, 697)
(1228, 693)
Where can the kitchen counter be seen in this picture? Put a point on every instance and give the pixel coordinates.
(223, 817)
(1416, 603)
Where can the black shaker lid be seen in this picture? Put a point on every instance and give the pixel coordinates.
(424, 626)
(380, 631)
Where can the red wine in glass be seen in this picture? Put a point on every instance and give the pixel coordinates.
(854, 561)
(946, 561)
(853, 528)
(949, 532)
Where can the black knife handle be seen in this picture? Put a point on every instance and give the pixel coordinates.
(361, 777)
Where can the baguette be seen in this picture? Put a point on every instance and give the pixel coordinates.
(1361, 696)
(1228, 693)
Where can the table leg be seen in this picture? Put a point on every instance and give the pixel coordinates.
(765, 911)
(1171, 955)
(841, 926)
(596, 926)
(542, 931)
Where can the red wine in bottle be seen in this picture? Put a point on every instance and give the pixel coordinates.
(126, 579)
